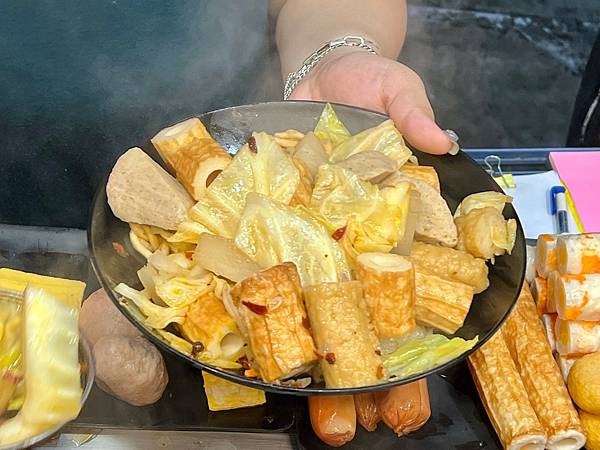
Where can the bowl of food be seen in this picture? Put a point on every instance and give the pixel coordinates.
(301, 248)
(46, 370)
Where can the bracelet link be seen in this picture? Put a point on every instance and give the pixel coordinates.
(294, 78)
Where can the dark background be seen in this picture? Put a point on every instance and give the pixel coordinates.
(83, 81)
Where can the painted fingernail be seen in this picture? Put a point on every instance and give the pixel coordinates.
(454, 139)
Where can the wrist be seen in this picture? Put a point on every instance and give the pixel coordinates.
(329, 52)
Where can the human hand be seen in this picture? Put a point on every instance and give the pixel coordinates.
(358, 78)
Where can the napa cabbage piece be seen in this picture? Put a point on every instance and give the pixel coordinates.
(384, 138)
(422, 354)
(264, 169)
(155, 316)
(272, 233)
(51, 361)
(330, 128)
(364, 217)
(11, 369)
(488, 199)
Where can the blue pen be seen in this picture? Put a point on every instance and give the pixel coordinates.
(558, 201)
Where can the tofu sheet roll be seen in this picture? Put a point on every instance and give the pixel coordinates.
(192, 153)
(575, 337)
(504, 397)
(270, 309)
(577, 297)
(453, 265)
(545, 255)
(579, 253)
(388, 283)
(346, 342)
(208, 322)
(526, 340)
(440, 303)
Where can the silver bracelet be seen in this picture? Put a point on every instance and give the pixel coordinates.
(348, 41)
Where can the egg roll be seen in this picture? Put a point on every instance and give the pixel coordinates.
(208, 322)
(526, 341)
(539, 290)
(579, 253)
(574, 337)
(450, 264)
(388, 283)
(504, 397)
(549, 322)
(545, 255)
(577, 297)
(440, 303)
(346, 343)
(270, 308)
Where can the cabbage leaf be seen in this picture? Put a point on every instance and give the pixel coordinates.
(272, 233)
(330, 128)
(384, 138)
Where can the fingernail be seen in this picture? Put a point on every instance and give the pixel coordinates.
(454, 139)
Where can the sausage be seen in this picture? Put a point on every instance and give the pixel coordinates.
(405, 408)
(366, 411)
(333, 418)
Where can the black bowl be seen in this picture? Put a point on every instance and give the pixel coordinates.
(459, 176)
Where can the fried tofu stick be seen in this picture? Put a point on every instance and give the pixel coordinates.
(272, 314)
(526, 340)
(388, 283)
(504, 397)
(345, 340)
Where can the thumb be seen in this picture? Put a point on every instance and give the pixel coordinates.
(407, 104)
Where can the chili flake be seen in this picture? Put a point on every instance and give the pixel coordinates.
(339, 233)
(252, 144)
(330, 357)
(319, 354)
(243, 361)
(256, 309)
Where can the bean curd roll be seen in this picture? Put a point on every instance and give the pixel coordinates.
(388, 283)
(526, 340)
(454, 265)
(270, 308)
(579, 253)
(577, 297)
(545, 255)
(208, 322)
(346, 342)
(441, 303)
(192, 153)
(504, 396)
(576, 337)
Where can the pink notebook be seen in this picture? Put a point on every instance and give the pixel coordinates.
(580, 172)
